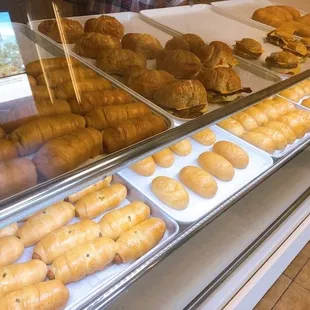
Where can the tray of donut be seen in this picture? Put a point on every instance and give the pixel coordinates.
(74, 118)
(84, 244)
(173, 73)
(193, 177)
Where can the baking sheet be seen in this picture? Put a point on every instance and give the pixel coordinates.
(198, 206)
(204, 21)
(80, 291)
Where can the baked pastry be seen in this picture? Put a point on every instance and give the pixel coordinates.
(232, 126)
(280, 36)
(142, 43)
(248, 48)
(247, 121)
(283, 62)
(105, 24)
(145, 167)
(187, 42)
(260, 140)
(181, 64)
(7, 150)
(297, 48)
(305, 86)
(146, 82)
(182, 97)
(300, 29)
(277, 136)
(118, 61)
(306, 103)
(42, 92)
(222, 84)
(164, 158)
(304, 19)
(306, 41)
(91, 43)
(62, 30)
(32, 80)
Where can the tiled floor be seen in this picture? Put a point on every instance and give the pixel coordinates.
(292, 290)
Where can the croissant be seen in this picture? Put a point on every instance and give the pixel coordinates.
(132, 131)
(111, 116)
(16, 175)
(69, 90)
(65, 153)
(7, 150)
(60, 76)
(29, 137)
(92, 100)
(41, 92)
(187, 42)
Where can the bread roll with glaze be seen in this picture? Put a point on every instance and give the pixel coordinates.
(216, 165)
(11, 249)
(284, 129)
(42, 92)
(233, 153)
(247, 121)
(10, 230)
(260, 117)
(182, 148)
(306, 103)
(139, 240)
(7, 150)
(268, 108)
(303, 117)
(94, 204)
(293, 122)
(170, 192)
(276, 135)
(90, 189)
(83, 260)
(49, 295)
(45, 221)
(164, 158)
(32, 80)
(205, 136)
(116, 222)
(290, 106)
(260, 140)
(232, 126)
(281, 106)
(291, 94)
(145, 167)
(199, 181)
(17, 276)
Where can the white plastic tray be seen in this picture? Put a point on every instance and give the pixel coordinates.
(198, 206)
(81, 290)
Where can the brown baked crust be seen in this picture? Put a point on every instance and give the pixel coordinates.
(106, 25)
(71, 29)
(248, 48)
(294, 12)
(181, 64)
(296, 47)
(142, 43)
(187, 42)
(119, 60)
(146, 82)
(280, 36)
(180, 95)
(282, 60)
(304, 19)
(91, 43)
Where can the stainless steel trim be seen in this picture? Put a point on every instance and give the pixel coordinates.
(208, 290)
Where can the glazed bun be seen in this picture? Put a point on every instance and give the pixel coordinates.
(260, 140)
(232, 126)
(187, 42)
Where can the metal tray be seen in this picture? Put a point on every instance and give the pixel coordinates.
(198, 206)
(86, 289)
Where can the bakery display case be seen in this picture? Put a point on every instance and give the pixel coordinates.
(130, 134)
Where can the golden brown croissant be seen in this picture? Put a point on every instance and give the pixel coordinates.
(32, 80)
(118, 61)
(7, 150)
(63, 154)
(59, 76)
(62, 30)
(110, 116)
(187, 42)
(69, 90)
(105, 24)
(142, 43)
(41, 92)
(132, 131)
(92, 100)
(91, 43)
(28, 138)
(16, 175)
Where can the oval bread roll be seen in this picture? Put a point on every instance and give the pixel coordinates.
(49, 295)
(267, 107)
(139, 240)
(182, 148)
(90, 189)
(145, 167)
(83, 260)
(216, 165)
(247, 121)
(232, 126)
(260, 140)
(170, 192)
(8, 150)
(303, 117)
(260, 117)
(10, 230)
(290, 94)
(276, 135)
(64, 239)
(233, 153)
(116, 222)
(281, 107)
(17, 276)
(306, 103)
(45, 221)
(199, 181)
(284, 129)
(290, 106)
(94, 204)
(205, 136)
(293, 122)
(164, 158)
(11, 249)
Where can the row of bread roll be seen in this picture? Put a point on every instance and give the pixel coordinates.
(306, 103)
(297, 92)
